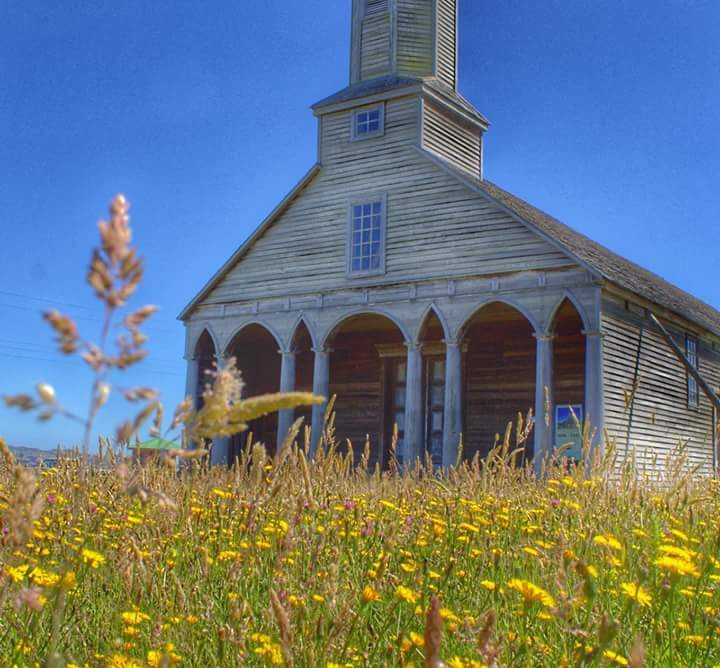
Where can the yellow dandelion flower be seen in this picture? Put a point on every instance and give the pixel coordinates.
(608, 540)
(615, 658)
(369, 594)
(531, 593)
(636, 593)
(92, 558)
(676, 566)
(407, 595)
(134, 617)
(488, 584)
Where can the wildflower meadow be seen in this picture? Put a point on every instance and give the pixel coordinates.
(322, 562)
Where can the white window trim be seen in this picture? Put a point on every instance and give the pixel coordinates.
(370, 198)
(354, 136)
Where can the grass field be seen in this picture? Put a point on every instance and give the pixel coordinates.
(322, 564)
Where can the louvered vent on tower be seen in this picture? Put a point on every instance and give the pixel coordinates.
(375, 6)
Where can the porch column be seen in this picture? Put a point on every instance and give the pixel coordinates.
(191, 380)
(452, 428)
(413, 405)
(321, 387)
(220, 455)
(287, 384)
(544, 399)
(594, 381)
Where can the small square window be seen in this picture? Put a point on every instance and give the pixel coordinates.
(366, 247)
(692, 356)
(368, 123)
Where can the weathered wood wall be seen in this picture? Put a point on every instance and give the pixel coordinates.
(356, 379)
(660, 416)
(499, 377)
(375, 58)
(436, 226)
(448, 137)
(568, 357)
(415, 41)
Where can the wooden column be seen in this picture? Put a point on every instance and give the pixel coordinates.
(544, 399)
(321, 387)
(220, 455)
(287, 384)
(414, 432)
(452, 429)
(192, 381)
(594, 380)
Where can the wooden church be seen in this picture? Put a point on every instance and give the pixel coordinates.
(396, 277)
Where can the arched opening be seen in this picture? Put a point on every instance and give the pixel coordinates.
(205, 356)
(432, 339)
(568, 375)
(500, 371)
(302, 346)
(256, 352)
(368, 365)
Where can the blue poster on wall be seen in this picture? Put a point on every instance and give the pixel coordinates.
(568, 430)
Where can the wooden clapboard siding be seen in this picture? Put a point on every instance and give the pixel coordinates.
(375, 48)
(661, 416)
(447, 41)
(457, 142)
(356, 379)
(499, 377)
(415, 37)
(436, 226)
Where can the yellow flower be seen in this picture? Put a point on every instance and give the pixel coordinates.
(94, 559)
(531, 593)
(17, 573)
(369, 594)
(608, 541)
(636, 593)
(694, 640)
(44, 578)
(407, 595)
(677, 566)
(488, 584)
(616, 658)
(134, 617)
(221, 493)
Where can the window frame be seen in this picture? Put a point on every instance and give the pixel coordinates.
(355, 135)
(360, 200)
(693, 389)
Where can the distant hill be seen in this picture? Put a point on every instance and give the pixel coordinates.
(31, 455)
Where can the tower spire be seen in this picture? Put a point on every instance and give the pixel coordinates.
(413, 38)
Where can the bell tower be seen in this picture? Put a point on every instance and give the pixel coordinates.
(410, 38)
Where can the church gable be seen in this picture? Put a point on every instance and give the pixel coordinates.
(435, 226)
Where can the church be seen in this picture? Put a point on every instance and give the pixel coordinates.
(430, 300)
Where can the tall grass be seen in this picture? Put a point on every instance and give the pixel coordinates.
(324, 563)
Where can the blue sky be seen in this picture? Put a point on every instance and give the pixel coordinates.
(604, 113)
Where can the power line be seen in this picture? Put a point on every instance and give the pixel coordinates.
(45, 300)
(77, 363)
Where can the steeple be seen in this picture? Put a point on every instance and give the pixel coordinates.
(413, 38)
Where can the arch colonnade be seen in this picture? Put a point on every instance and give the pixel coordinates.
(440, 370)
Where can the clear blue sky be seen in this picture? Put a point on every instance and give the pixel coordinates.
(604, 113)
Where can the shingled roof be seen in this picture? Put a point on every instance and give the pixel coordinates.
(611, 266)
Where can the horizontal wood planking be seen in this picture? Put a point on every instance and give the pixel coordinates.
(450, 139)
(415, 37)
(375, 57)
(661, 417)
(437, 227)
(447, 41)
